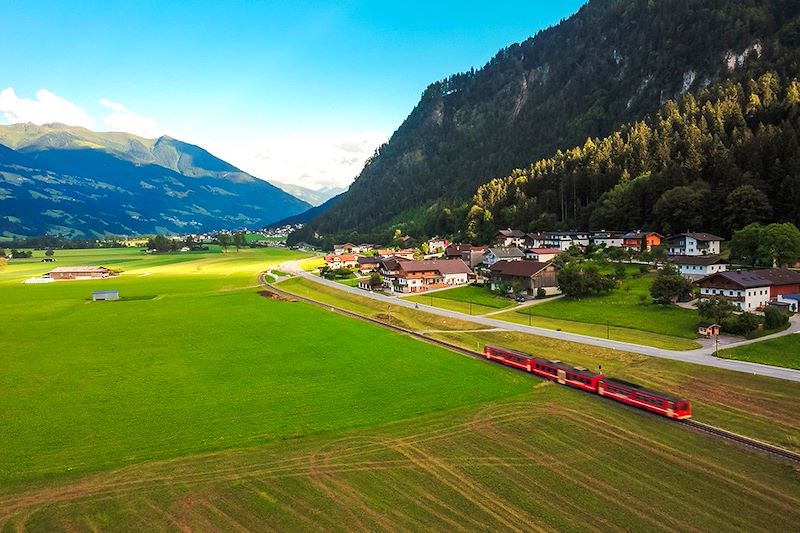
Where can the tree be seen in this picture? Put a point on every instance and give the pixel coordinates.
(780, 244)
(577, 280)
(238, 240)
(715, 308)
(224, 240)
(160, 243)
(683, 206)
(774, 318)
(745, 243)
(2, 253)
(49, 252)
(745, 205)
(747, 323)
(375, 280)
(669, 286)
(619, 271)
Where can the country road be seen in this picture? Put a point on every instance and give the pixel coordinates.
(701, 356)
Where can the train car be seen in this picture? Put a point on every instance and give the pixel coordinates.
(577, 377)
(632, 394)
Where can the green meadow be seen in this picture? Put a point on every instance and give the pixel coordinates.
(467, 299)
(625, 314)
(781, 351)
(202, 404)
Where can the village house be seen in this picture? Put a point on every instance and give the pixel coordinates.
(79, 272)
(609, 239)
(384, 252)
(509, 237)
(751, 289)
(542, 255)
(350, 248)
(564, 240)
(535, 240)
(437, 245)
(368, 264)
(694, 244)
(641, 241)
(509, 253)
(471, 255)
(337, 261)
(405, 253)
(695, 267)
(791, 301)
(530, 275)
(419, 276)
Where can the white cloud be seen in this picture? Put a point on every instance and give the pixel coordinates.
(313, 162)
(123, 119)
(46, 108)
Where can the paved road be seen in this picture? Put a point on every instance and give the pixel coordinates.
(703, 356)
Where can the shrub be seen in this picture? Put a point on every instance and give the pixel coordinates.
(541, 293)
(774, 318)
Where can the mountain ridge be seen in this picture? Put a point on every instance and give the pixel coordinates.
(71, 181)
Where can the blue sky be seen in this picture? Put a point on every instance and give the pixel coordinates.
(278, 88)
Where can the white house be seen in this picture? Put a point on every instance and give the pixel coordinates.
(510, 237)
(694, 244)
(508, 253)
(542, 255)
(747, 290)
(695, 267)
(564, 240)
(437, 245)
(610, 239)
(418, 276)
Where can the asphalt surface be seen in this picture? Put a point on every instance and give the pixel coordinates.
(703, 356)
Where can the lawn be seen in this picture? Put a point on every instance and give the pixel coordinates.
(781, 351)
(207, 364)
(312, 264)
(467, 299)
(619, 315)
(552, 458)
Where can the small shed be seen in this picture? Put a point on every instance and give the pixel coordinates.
(99, 296)
(707, 329)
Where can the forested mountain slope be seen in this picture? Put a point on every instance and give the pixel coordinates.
(614, 62)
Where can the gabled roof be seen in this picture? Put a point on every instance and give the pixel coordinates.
(450, 266)
(342, 257)
(702, 237)
(513, 233)
(744, 279)
(368, 260)
(507, 251)
(86, 269)
(544, 250)
(638, 234)
(524, 269)
(702, 260)
(780, 276)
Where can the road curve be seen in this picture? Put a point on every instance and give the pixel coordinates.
(700, 357)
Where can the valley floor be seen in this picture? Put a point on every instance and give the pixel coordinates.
(208, 406)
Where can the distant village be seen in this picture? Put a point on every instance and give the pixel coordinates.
(526, 265)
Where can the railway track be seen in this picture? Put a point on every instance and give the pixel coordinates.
(719, 433)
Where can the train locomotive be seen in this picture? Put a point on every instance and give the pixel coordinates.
(580, 378)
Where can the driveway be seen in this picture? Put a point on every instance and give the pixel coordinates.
(702, 356)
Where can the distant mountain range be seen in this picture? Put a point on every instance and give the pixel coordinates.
(70, 181)
(313, 197)
(306, 216)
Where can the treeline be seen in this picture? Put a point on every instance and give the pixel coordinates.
(44, 242)
(715, 162)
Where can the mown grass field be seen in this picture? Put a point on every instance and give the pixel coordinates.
(782, 351)
(467, 299)
(208, 364)
(620, 315)
(757, 406)
(211, 407)
(761, 407)
(550, 459)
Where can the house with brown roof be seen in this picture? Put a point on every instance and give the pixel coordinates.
(510, 237)
(530, 275)
(79, 272)
(419, 276)
(750, 289)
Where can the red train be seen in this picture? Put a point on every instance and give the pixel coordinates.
(580, 378)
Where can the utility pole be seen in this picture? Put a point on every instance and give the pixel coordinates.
(608, 330)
